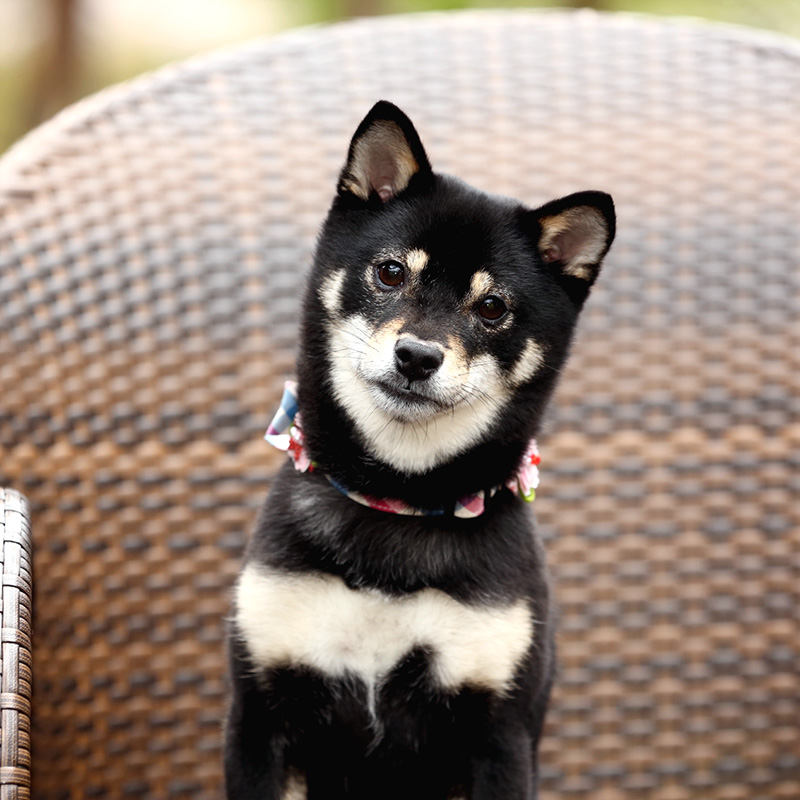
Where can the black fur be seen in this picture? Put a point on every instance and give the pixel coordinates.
(434, 743)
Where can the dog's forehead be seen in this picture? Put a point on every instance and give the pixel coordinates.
(438, 265)
(454, 239)
(461, 244)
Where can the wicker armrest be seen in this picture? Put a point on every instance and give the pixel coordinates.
(15, 657)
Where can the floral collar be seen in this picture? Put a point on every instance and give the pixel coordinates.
(285, 433)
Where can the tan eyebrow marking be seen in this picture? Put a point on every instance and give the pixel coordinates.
(480, 285)
(417, 260)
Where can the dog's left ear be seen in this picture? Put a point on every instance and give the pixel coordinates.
(385, 156)
(573, 234)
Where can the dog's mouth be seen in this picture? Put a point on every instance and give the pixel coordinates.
(405, 402)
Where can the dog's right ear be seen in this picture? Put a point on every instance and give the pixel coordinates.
(385, 156)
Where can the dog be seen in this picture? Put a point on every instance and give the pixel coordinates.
(392, 635)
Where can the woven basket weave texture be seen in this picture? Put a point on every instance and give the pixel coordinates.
(153, 243)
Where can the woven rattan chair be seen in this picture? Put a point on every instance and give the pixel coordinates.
(152, 246)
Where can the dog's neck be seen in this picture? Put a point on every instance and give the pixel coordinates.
(460, 488)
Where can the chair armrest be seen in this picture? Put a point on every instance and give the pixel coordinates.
(15, 647)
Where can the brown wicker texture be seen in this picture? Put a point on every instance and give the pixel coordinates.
(152, 247)
(15, 657)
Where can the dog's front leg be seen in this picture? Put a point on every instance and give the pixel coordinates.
(504, 767)
(255, 777)
(255, 758)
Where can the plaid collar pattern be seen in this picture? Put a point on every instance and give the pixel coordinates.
(285, 433)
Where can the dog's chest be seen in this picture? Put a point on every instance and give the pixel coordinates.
(316, 621)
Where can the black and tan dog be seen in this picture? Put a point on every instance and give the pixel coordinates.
(392, 634)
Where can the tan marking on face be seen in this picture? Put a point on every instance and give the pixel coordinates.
(480, 285)
(330, 292)
(416, 261)
(528, 364)
(456, 359)
(386, 336)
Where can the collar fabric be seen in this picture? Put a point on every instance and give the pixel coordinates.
(285, 433)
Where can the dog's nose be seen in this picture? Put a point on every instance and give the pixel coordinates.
(417, 361)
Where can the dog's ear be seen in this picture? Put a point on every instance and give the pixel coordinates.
(573, 235)
(385, 156)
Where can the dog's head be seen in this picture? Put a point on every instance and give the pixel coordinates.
(442, 314)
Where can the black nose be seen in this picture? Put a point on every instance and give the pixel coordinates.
(417, 361)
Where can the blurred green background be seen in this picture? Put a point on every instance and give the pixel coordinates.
(53, 52)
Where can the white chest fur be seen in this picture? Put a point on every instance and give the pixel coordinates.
(316, 621)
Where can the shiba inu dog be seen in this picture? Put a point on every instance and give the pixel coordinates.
(392, 634)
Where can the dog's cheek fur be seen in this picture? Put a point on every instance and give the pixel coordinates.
(330, 292)
(527, 364)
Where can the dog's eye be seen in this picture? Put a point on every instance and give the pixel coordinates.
(492, 308)
(391, 273)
